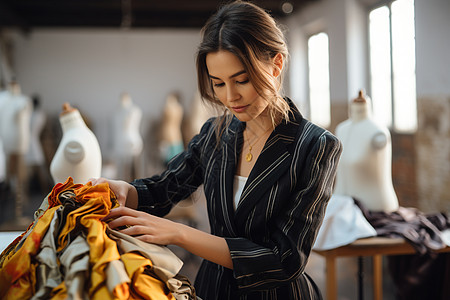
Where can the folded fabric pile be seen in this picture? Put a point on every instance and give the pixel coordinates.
(69, 252)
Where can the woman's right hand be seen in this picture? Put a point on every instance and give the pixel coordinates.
(126, 193)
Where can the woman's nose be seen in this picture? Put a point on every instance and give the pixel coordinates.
(232, 94)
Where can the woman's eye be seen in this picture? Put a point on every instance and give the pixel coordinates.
(218, 84)
(243, 81)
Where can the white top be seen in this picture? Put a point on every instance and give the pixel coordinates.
(238, 187)
(364, 170)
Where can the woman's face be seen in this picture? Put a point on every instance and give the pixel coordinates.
(232, 86)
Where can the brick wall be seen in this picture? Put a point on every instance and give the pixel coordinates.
(433, 153)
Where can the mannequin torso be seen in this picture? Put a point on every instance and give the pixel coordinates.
(4, 96)
(35, 155)
(364, 170)
(78, 154)
(127, 139)
(15, 122)
(171, 142)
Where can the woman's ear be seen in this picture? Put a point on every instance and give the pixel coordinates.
(278, 64)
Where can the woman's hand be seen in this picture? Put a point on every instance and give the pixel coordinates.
(145, 227)
(126, 193)
(160, 231)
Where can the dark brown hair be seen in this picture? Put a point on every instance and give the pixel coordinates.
(250, 33)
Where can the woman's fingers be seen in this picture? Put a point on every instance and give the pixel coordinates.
(146, 227)
(123, 211)
(124, 216)
(123, 221)
(137, 230)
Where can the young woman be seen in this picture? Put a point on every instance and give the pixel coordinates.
(267, 172)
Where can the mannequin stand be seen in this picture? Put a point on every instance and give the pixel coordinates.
(17, 180)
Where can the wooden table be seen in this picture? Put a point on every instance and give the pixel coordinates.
(376, 247)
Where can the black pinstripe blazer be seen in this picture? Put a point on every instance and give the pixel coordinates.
(271, 232)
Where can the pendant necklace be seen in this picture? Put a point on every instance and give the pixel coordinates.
(249, 155)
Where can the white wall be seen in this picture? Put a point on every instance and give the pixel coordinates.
(91, 68)
(433, 47)
(344, 22)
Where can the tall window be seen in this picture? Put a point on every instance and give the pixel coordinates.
(319, 79)
(393, 65)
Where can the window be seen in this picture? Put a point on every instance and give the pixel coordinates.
(392, 64)
(319, 79)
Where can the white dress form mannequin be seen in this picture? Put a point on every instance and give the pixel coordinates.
(15, 133)
(35, 157)
(198, 114)
(4, 97)
(127, 143)
(364, 170)
(171, 139)
(15, 123)
(78, 154)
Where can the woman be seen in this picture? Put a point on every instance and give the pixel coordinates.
(267, 172)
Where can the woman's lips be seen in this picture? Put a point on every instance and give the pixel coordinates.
(239, 109)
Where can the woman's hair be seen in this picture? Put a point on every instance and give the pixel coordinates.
(251, 34)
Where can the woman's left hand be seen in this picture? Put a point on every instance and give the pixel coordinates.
(143, 226)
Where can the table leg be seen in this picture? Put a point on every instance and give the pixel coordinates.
(331, 278)
(377, 277)
(360, 278)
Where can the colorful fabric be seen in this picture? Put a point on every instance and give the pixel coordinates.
(69, 252)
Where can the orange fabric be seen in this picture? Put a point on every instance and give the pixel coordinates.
(96, 204)
(121, 291)
(143, 285)
(53, 201)
(59, 292)
(58, 188)
(18, 273)
(15, 282)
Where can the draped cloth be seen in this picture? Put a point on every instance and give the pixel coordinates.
(69, 252)
(424, 275)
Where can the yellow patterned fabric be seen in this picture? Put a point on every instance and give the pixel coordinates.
(17, 272)
(72, 218)
(144, 285)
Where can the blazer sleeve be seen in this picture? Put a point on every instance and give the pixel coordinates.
(292, 233)
(184, 174)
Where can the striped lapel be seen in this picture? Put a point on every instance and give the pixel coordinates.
(231, 147)
(273, 161)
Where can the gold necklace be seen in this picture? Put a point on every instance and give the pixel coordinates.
(249, 155)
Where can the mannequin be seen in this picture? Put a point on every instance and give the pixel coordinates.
(364, 170)
(198, 114)
(78, 154)
(15, 121)
(127, 141)
(15, 132)
(35, 158)
(4, 97)
(171, 139)
(35, 155)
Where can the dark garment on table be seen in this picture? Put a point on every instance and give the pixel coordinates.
(271, 232)
(425, 275)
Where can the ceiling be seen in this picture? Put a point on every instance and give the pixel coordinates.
(29, 14)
